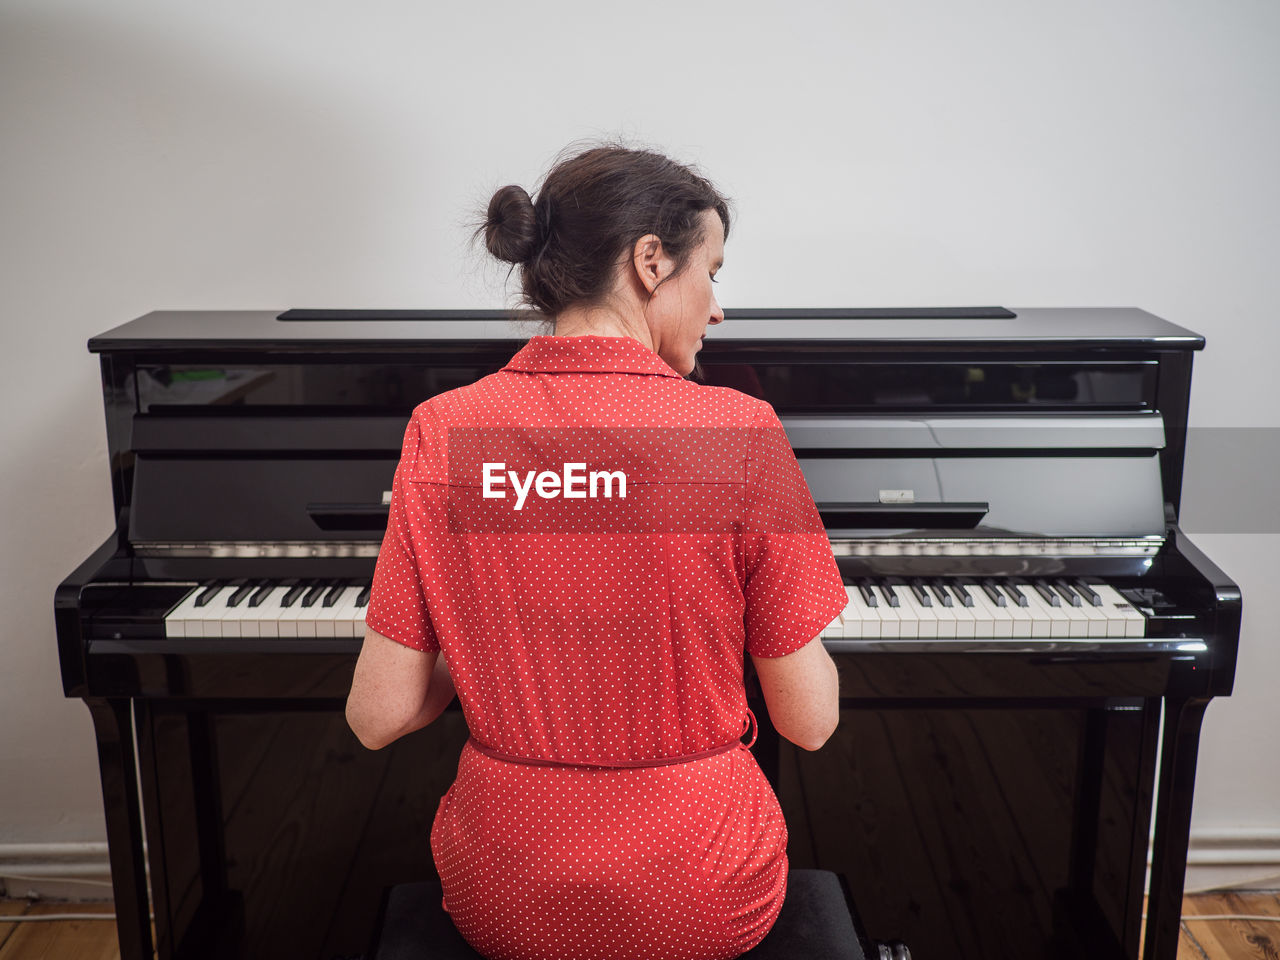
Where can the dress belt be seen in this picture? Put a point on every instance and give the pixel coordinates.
(749, 723)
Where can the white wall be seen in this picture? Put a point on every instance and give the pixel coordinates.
(918, 152)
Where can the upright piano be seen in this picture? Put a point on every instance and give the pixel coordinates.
(1027, 652)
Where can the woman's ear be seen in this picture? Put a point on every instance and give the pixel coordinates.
(651, 263)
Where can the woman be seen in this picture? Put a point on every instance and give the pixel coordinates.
(605, 806)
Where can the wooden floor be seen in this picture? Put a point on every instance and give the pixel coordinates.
(1201, 939)
(56, 939)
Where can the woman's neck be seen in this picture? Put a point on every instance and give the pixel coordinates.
(602, 322)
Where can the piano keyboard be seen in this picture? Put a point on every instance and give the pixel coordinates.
(264, 608)
(996, 608)
(878, 609)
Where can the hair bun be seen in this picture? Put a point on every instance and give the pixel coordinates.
(510, 227)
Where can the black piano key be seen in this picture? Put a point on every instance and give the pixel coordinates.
(890, 598)
(993, 593)
(335, 592)
(1067, 594)
(1014, 594)
(962, 587)
(318, 587)
(211, 590)
(363, 599)
(264, 591)
(868, 596)
(960, 594)
(243, 591)
(941, 595)
(1088, 593)
(917, 587)
(1046, 594)
(294, 593)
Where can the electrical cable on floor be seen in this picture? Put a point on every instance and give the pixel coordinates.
(1228, 916)
(1231, 916)
(45, 917)
(46, 879)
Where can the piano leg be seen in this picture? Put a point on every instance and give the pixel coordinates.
(1112, 747)
(116, 763)
(182, 802)
(1182, 720)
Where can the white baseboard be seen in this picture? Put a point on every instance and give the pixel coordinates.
(56, 871)
(1244, 858)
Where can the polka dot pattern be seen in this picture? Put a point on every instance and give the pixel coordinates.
(605, 650)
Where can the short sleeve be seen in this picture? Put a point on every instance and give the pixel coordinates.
(397, 601)
(793, 587)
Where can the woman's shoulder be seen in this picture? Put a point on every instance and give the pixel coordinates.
(452, 405)
(725, 405)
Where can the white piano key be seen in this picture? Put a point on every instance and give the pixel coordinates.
(359, 611)
(208, 619)
(251, 616)
(1115, 622)
(1023, 621)
(1041, 622)
(966, 620)
(1078, 623)
(344, 620)
(1120, 609)
(287, 621)
(230, 623)
(926, 622)
(308, 617)
(240, 620)
(945, 617)
(327, 621)
(175, 620)
(995, 620)
(904, 628)
(193, 616)
(890, 626)
(862, 618)
(220, 619)
(1054, 620)
(1001, 612)
(848, 628)
(266, 620)
(1097, 619)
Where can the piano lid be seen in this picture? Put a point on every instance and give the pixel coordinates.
(817, 329)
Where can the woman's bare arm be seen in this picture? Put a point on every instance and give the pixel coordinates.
(395, 690)
(802, 693)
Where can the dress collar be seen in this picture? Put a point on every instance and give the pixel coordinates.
(588, 354)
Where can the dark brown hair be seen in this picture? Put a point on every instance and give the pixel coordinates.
(591, 209)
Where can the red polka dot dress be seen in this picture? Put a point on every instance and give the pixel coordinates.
(604, 807)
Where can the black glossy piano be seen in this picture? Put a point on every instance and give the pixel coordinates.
(1028, 650)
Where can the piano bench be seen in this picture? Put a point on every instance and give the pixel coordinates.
(815, 922)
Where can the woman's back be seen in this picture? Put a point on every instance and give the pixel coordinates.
(571, 640)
